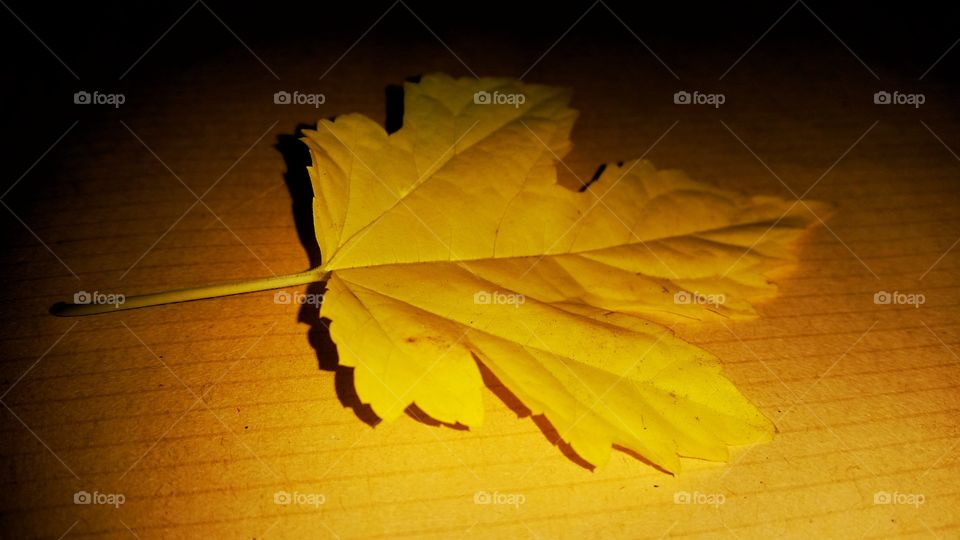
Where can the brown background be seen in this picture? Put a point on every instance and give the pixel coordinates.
(199, 413)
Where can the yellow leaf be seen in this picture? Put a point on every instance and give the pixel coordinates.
(450, 242)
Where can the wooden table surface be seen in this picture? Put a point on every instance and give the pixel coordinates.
(198, 414)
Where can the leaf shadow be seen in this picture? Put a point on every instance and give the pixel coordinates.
(522, 411)
(549, 431)
(297, 158)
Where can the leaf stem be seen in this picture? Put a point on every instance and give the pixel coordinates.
(313, 275)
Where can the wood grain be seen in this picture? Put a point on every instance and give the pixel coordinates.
(199, 413)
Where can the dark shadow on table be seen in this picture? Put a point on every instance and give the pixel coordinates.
(297, 158)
